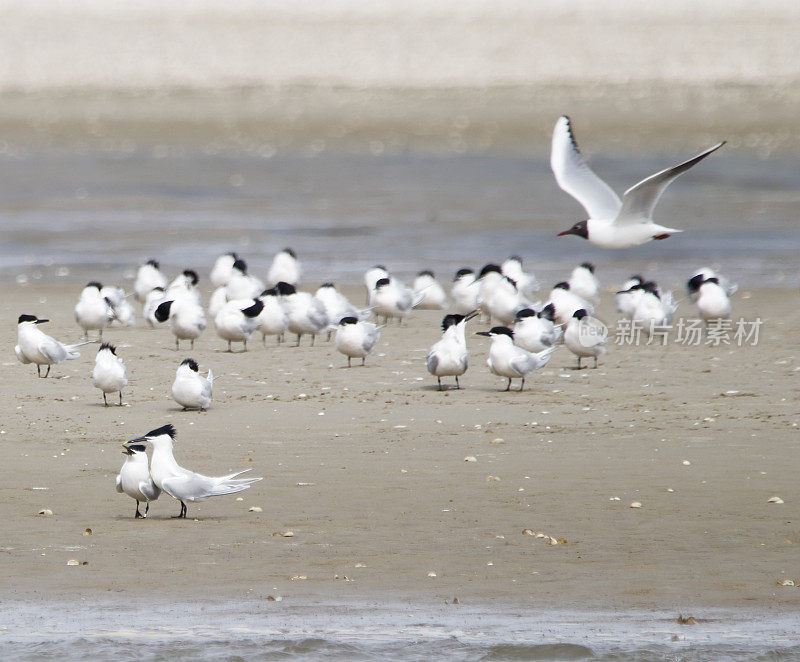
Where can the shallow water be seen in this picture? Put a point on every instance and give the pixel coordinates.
(278, 631)
(68, 214)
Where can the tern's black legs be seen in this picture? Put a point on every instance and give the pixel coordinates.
(139, 515)
(579, 363)
(595, 362)
(363, 360)
(458, 386)
(120, 398)
(508, 388)
(105, 400)
(348, 361)
(439, 379)
(146, 509)
(522, 386)
(182, 514)
(47, 373)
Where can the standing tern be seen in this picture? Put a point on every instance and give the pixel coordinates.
(566, 302)
(612, 223)
(190, 389)
(237, 320)
(285, 267)
(712, 300)
(187, 320)
(306, 312)
(93, 312)
(273, 319)
(585, 336)
(356, 339)
(526, 283)
(508, 360)
(109, 374)
(391, 298)
(584, 283)
(221, 271)
(39, 348)
(693, 285)
(448, 356)
(428, 290)
(465, 291)
(148, 278)
(180, 483)
(134, 478)
(536, 332)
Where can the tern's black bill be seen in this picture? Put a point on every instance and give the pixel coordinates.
(482, 333)
(41, 321)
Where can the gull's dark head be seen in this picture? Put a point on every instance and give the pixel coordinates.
(382, 282)
(191, 274)
(192, 364)
(464, 272)
(563, 285)
(154, 264)
(285, 289)
(271, 292)
(109, 347)
(95, 284)
(348, 320)
(588, 266)
(580, 229)
(425, 272)
(289, 251)
(489, 268)
(713, 279)
(580, 314)
(328, 286)
(240, 265)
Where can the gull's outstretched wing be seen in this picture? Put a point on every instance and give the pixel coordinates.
(640, 200)
(575, 176)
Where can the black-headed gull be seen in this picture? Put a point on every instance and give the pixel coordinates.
(612, 223)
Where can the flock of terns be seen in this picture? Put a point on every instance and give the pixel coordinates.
(525, 334)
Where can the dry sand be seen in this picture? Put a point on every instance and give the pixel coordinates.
(366, 466)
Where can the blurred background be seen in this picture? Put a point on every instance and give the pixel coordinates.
(409, 133)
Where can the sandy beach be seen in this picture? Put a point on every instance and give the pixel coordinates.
(367, 468)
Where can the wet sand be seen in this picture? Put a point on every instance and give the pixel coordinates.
(366, 466)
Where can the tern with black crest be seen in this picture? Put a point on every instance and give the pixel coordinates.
(190, 389)
(109, 374)
(134, 478)
(180, 483)
(34, 346)
(448, 356)
(508, 360)
(356, 339)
